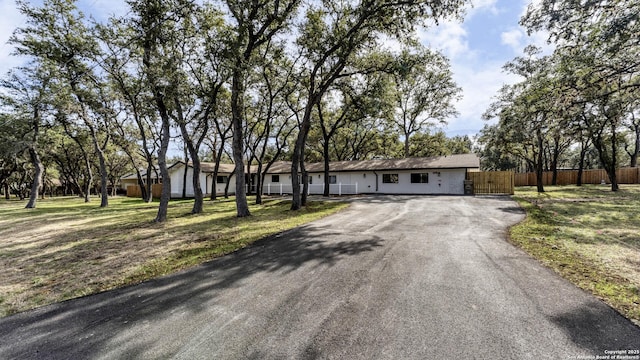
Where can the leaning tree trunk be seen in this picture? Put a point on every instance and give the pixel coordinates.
(216, 170)
(226, 186)
(143, 187)
(37, 178)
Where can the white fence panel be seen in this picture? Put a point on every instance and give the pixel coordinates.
(314, 189)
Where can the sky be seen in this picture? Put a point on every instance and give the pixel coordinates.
(477, 47)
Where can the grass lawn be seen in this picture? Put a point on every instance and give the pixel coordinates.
(66, 248)
(589, 235)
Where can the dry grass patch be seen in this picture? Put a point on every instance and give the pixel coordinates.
(589, 235)
(66, 248)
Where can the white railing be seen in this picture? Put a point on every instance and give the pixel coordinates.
(314, 189)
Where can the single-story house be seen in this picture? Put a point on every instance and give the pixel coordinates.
(433, 175)
(176, 173)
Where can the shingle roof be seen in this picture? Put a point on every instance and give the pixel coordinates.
(438, 162)
(208, 167)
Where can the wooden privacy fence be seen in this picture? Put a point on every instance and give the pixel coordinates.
(492, 182)
(135, 191)
(570, 177)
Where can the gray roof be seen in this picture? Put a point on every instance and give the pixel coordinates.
(208, 167)
(461, 161)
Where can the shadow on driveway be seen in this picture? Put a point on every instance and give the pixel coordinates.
(80, 328)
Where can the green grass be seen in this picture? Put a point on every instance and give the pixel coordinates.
(589, 235)
(66, 248)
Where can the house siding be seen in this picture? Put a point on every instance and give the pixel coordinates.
(177, 177)
(441, 181)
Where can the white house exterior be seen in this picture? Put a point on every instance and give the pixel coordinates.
(176, 172)
(435, 175)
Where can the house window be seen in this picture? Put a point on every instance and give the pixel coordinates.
(333, 179)
(221, 179)
(389, 178)
(421, 178)
(275, 178)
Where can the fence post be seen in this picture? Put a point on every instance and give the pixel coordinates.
(340, 189)
(280, 188)
(269, 189)
(356, 188)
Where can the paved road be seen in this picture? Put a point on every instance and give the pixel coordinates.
(390, 278)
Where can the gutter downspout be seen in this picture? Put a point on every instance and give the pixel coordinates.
(376, 174)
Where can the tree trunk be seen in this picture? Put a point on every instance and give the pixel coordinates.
(149, 184)
(259, 181)
(213, 185)
(198, 196)
(7, 195)
(611, 170)
(87, 184)
(104, 174)
(327, 184)
(636, 149)
(583, 154)
(298, 156)
(37, 177)
(554, 162)
(184, 175)
(406, 145)
(143, 186)
(237, 107)
(226, 186)
(162, 164)
(539, 162)
(104, 177)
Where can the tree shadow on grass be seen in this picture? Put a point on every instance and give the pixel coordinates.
(61, 330)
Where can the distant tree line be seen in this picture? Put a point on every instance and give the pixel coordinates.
(250, 82)
(578, 107)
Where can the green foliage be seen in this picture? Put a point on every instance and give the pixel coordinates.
(438, 144)
(220, 71)
(424, 92)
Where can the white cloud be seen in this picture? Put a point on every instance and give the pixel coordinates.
(479, 83)
(10, 18)
(513, 38)
(449, 37)
(482, 5)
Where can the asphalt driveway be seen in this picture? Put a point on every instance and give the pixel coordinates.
(392, 277)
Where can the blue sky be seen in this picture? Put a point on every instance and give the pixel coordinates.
(488, 37)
